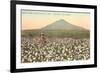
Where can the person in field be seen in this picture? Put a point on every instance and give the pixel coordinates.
(42, 40)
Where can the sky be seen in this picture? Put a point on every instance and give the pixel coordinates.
(31, 19)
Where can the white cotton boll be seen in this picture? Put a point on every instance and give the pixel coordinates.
(25, 57)
(55, 49)
(36, 54)
(30, 59)
(63, 51)
(22, 59)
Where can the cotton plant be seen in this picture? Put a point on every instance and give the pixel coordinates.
(56, 49)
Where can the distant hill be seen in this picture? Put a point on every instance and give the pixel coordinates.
(62, 25)
(60, 29)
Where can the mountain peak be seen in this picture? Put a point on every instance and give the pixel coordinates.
(61, 25)
(61, 20)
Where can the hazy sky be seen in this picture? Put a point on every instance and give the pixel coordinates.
(40, 19)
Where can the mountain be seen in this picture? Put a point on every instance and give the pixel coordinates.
(62, 25)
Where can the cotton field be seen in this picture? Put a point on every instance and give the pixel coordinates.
(55, 49)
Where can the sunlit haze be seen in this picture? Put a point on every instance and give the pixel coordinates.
(40, 19)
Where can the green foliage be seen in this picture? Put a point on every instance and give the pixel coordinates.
(57, 33)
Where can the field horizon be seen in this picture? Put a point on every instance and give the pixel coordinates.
(57, 33)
